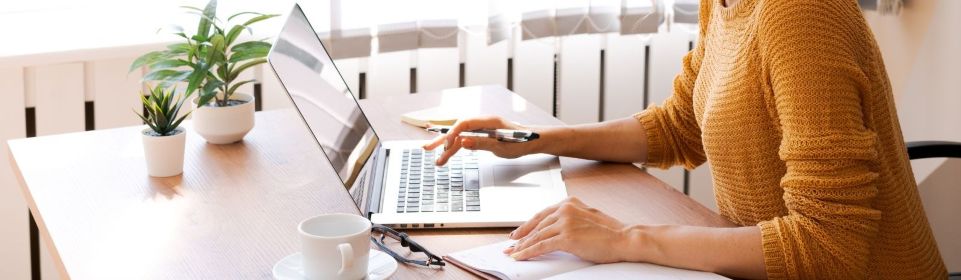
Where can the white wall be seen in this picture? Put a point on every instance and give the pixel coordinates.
(922, 53)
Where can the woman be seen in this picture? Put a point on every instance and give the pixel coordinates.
(790, 103)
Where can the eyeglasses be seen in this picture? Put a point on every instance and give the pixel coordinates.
(405, 241)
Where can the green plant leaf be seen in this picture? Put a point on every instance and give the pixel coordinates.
(251, 54)
(192, 8)
(147, 59)
(181, 119)
(209, 91)
(240, 69)
(197, 76)
(250, 45)
(221, 73)
(258, 18)
(162, 107)
(179, 48)
(242, 13)
(216, 52)
(166, 75)
(234, 87)
(207, 18)
(169, 63)
(235, 32)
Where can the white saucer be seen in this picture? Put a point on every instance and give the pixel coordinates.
(379, 266)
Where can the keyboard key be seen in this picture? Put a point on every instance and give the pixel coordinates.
(427, 208)
(412, 209)
(472, 179)
(473, 203)
(473, 208)
(442, 208)
(400, 209)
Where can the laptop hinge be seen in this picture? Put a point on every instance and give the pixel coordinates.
(376, 185)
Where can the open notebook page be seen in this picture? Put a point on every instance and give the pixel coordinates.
(635, 271)
(492, 260)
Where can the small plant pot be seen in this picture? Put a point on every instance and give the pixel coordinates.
(164, 154)
(224, 125)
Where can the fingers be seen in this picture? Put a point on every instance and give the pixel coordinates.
(549, 220)
(449, 150)
(439, 140)
(451, 141)
(479, 143)
(537, 236)
(526, 228)
(545, 246)
(472, 124)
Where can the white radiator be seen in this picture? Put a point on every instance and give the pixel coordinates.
(581, 78)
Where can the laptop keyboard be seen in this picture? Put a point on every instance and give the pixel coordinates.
(425, 187)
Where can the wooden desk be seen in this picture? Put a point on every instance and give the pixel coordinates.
(234, 211)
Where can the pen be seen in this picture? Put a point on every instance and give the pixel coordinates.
(503, 135)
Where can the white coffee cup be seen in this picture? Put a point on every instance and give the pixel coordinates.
(335, 246)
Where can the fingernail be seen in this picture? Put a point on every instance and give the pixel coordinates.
(511, 236)
(515, 256)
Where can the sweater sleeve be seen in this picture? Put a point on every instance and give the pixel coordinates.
(811, 51)
(673, 135)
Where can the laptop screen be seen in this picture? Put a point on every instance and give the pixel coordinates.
(323, 99)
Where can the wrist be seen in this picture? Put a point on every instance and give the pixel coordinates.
(552, 140)
(637, 243)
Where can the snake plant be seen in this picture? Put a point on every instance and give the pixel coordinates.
(161, 110)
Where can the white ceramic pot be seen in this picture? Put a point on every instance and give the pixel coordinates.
(164, 154)
(224, 125)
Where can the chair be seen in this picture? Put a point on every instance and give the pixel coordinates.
(935, 149)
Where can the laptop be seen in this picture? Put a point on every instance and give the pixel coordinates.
(396, 183)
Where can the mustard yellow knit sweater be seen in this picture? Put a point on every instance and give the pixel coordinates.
(790, 103)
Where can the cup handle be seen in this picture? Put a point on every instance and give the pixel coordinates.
(346, 257)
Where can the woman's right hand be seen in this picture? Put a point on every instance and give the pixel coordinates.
(452, 141)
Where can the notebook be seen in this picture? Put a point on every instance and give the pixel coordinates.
(430, 116)
(490, 262)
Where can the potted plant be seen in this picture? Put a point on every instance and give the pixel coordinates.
(163, 139)
(210, 62)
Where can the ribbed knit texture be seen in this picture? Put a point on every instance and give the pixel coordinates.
(790, 103)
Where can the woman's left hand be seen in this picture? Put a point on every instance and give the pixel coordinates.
(571, 226)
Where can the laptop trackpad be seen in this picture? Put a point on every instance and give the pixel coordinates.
(521, 175)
